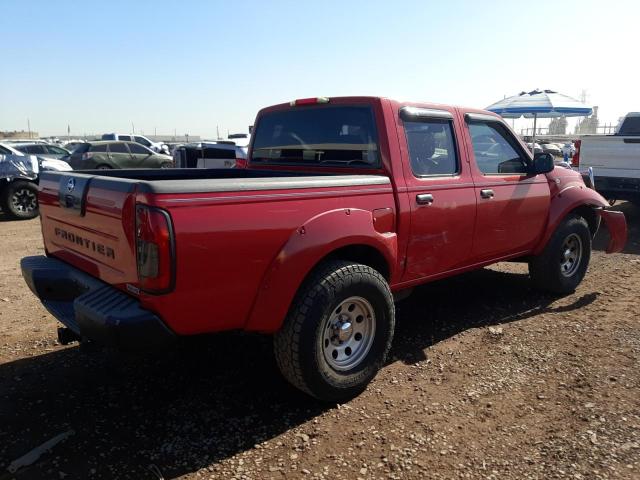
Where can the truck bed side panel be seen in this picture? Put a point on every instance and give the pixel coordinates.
(226, 241)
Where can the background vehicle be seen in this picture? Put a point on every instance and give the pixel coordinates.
(42, 150)
(347, 202)
(141, 139)
(18, 181)
(613, 159)
(107, 155)
(551, 148)
(212, 154)
(536, 148)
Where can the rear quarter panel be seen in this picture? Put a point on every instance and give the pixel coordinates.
(229, 243)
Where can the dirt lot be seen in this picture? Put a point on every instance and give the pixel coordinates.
(551, 390)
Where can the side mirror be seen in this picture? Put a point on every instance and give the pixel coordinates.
(542, 163)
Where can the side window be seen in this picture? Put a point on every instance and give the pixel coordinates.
(218, 153)
(142, 141)
(55, 150)
(432, 148)
(138, 149)
(118, 148)
(495, 150)
(124, 138)
(35, 149)
(99, 148)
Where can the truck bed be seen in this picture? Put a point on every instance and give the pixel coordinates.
(229, 229)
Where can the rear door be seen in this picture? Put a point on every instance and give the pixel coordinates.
(440, 190)
(120, 156)
(513, 205)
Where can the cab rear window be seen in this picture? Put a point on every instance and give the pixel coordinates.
(318, 136)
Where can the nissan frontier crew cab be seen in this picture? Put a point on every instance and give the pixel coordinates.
(347, 202)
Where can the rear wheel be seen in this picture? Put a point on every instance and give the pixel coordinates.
(338, 332)
(563, 263)
(20, 199)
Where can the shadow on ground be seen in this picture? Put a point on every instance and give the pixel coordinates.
(211, 397)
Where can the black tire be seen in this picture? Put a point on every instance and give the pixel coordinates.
(552, 270)
(300, 350)
(166, 165)
(103, 166)
(20, 200)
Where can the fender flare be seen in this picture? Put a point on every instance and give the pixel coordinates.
(305, 248)
(567, 200)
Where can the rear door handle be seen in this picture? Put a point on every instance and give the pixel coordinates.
(486, 193)
(424, 199)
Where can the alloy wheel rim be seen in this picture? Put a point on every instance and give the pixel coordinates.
(24, 200)
(348, 333)
(571, 255)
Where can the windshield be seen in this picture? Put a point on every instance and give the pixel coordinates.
(318, 136)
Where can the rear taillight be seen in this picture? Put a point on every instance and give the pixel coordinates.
(155, 249)
(87, 156)
(575, 160)
(241, 163)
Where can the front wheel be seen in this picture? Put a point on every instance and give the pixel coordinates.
(338, 332)
(563, 263)
(20, 199)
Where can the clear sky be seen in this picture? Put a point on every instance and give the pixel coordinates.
(189, 66)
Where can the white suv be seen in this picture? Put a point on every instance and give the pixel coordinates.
(141, 139)
(213, 154)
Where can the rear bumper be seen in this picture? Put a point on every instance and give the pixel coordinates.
(91, 308)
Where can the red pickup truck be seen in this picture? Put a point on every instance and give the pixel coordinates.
(347, 202)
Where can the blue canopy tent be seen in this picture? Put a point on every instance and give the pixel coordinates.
(540, 104)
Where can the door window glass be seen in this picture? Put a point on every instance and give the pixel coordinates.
(138, 149)
(94, 148)
(142, 141)
(494, 149)
(431, 147)
(118, 148)
(56, 150)
(124, 138)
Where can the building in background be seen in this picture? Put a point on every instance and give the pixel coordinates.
(18, 134)
(588, 124)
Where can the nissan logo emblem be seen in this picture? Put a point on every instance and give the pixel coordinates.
(71, 184)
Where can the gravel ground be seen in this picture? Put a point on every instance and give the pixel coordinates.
(506, 384)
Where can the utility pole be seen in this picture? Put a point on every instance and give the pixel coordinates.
(29, 127)
(133, 128)
(217, 133)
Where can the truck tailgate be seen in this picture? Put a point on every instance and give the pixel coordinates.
(88, 221)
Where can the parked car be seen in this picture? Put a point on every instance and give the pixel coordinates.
(43, 150)
(613, 161)
(212, 154)
(536, 148)
(19, 174)
(347, 202)
(157, 147)
(551, 148)
(105, 155)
